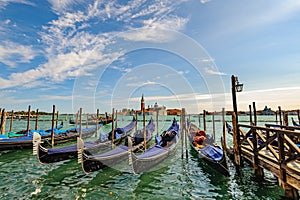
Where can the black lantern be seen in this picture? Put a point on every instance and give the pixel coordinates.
(238, 86)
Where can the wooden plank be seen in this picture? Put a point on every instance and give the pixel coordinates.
(272, 165)
(268, 144)
(297, 149)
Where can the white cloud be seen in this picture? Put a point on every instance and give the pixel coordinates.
(4, 3)
(121, 69)
(12, 53)
(204, 1)
(155, 30)
(205, 60)
(60, 6)
(56, 97)
(71, 50)
(140, 84)
(7, 21)
(211, 71)
(183, 72)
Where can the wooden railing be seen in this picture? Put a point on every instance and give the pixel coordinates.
(279, 143)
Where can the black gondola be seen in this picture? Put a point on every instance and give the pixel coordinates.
(211, 153)
(164, 147)
(68, 152)
(91, 163)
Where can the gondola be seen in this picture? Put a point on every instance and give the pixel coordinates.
(23, 133)
(25, 142)
(165, 146)
(91, 163)
(68, 152)
(211, 153)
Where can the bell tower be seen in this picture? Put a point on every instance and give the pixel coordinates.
(142, 103)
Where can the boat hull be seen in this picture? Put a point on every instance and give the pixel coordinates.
(219, 165)
(155, 154)
(112, 157)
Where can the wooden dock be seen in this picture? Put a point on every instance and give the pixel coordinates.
(270, 148)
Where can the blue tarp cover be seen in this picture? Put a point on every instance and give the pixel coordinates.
(213, 152)
(70, 148)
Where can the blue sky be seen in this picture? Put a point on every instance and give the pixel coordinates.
(104, 54)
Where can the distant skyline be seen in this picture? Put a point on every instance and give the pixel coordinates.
(180, 54)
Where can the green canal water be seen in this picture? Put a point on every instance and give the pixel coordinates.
(23, 177)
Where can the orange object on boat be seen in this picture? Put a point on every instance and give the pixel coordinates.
(199, 139)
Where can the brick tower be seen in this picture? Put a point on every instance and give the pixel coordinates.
(142, 103)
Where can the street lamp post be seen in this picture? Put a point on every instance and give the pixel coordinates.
(236, 87)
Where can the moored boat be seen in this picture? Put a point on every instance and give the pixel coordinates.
(68, 152)
(165, 145)
(60, 136)
(211, 153)
(47, 132)
(91, 163)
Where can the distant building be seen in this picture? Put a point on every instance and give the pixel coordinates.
(267, 111)
(161, 110)
(174, 112)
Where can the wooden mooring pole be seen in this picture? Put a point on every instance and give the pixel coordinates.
(250, 114)
(52, 127)
(185, 136)
(224, 129)
(156, 127)
(144, 129)
(113, 129)
(56, 121)
(214, 126)
(11, 121)
(97, 117)
(279, 112)
(181, 131)
(3, 121)
(204, 120)
(258, 171)
(136, 118)
(28, 119)
(80, 123)
(254, 114)
(116, 119)
(76, 119)
(236, 143)
(36, 119)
